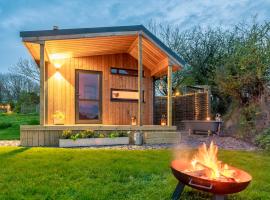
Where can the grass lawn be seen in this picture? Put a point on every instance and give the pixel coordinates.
(55, 173)
(13, 132)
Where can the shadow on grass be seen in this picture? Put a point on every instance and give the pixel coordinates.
(192, 194)
(13, 152)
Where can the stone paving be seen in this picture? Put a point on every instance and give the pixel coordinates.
(192, 141)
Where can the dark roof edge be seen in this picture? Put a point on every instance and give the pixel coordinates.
(75, 31)
(44, 33)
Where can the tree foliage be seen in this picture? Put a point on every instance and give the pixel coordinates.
(234, 62)
(23, 78)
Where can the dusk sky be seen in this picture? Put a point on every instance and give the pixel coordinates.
(19, 15)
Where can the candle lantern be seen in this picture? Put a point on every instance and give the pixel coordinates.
(133, 121)
(163, 120)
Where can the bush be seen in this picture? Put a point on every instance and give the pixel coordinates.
(33, 122)
(114, 134)
(263, 140)
(4, 125)
(67, 134)
(87, 134)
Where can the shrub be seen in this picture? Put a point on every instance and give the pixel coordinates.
(263, 140)
(75, 136)
(33, 122)
(101, 135)
(87, 134)
(118, 134)
(4, 125)
(67, 134)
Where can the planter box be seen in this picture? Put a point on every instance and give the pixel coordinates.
(86, 142)
(58, 121)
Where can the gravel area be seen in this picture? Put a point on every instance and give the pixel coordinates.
(229, 143)
(6, 143)
(192, 141)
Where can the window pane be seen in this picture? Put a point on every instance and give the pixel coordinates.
(113, 71)
(88, 86)
(128, 72)
(123, 71)
(88, 110)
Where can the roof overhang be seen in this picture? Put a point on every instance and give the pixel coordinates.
(103, 40)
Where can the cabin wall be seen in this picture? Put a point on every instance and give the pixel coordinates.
(61, 89)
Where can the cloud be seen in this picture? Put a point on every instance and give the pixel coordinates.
(37, 15)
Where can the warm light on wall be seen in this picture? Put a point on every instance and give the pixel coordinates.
(57, 75)
(60, 56)
(208, 118)
(58, 59)
(57, 65)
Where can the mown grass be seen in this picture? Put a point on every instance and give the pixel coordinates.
(13, 132)
(55, 173)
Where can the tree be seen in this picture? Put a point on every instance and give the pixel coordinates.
(26, 68)
(244, 72)
(233, 62)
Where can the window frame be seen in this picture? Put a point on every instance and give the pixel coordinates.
(118, 73)
(126, 99)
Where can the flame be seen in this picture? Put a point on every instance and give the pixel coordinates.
(206, 162)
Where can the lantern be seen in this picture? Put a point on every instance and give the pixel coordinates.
(133, 121)
(163, 120)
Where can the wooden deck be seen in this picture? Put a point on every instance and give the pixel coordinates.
(48, 135)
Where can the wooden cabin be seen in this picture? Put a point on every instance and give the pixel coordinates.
(98, 78)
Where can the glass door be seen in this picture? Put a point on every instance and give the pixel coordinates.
(88, 97)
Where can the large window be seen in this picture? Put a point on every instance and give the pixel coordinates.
(125, 95)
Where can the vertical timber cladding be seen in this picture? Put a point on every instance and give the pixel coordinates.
(61, 88)
(186, 107)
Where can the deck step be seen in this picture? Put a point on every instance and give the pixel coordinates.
(162, 137)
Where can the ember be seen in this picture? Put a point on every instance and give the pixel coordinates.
(206, 165)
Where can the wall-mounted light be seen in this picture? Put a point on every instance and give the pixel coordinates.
(57, 66)
(58, 59)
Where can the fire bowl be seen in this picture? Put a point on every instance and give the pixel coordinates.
(213, 186)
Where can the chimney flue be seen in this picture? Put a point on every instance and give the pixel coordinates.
(55, 28)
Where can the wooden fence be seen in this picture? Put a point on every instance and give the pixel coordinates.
(187, 107)
(32, 108)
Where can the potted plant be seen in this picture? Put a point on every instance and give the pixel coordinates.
(58, 118)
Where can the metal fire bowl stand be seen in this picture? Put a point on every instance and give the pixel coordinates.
(180, 188)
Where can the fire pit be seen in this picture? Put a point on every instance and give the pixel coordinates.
(205, 172)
